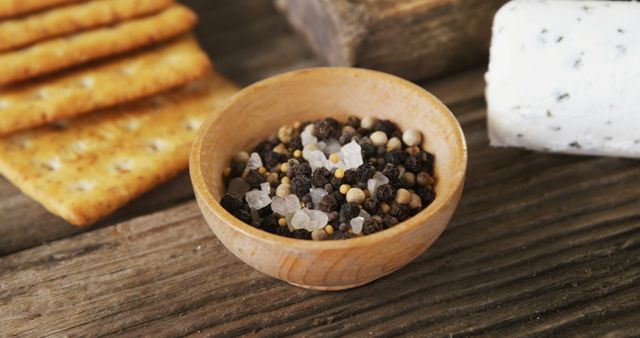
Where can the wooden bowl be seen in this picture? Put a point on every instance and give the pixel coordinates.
(257, 111)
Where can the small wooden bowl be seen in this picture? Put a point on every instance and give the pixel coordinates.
(256, 112)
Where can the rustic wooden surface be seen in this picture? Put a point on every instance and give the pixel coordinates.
(415, 39)
(541, 244)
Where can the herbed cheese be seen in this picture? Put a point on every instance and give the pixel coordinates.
(564, 76)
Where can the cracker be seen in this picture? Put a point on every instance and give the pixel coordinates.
(73, 19)
(86, 168)
(10, 8)
(61, 53)
(117, 81)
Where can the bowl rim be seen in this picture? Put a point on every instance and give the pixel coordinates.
(206, 199)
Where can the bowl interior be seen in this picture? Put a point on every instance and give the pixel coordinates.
(259, 110)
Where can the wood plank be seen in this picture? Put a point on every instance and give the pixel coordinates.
(240, 39)
(541, 243)
(412, 38)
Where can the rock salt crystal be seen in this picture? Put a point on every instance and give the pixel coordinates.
(316, 195)
(365, 215)
(333, 146)
(318, 219)
(352, 155)
(292, 203)
(300, 220)
(266, 187)
(238, 186)
(307, 137)
(356, 224)
(316, 158)
(254, 162)
(377, 180)
(257, 199)
(279, 206)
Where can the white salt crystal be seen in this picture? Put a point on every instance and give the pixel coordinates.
(266, 187)
(316, 158)
(300, 220)
(316, 195)
(279, 206)
(356, 224)
(377, 180)
(257, 199)
(352, 155)
(318, 219)
(254, 162)
(238, 186)
(292, 203)
(307, 137)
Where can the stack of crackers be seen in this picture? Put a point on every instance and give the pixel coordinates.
(99, 99)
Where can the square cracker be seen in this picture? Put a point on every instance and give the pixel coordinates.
(74, 18)
(89, 88)
(10, 8)
(86, 168)
(49, 56)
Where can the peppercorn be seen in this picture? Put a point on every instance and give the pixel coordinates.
(427, 161)
(380, 150)
(412, 137)
(408, 179)
(365, 172)
(265, 211)
(300, 185)
(379, 138)
(303, 169)
(231, 202)
(385, 193)
(329, 229)
(327, 204)
(335, 183)
(226, 172)
(350, 176)
(255, 178)
(393, 144)
(271, 159)
(403, 196)
(338, 197)
(345, 138)
(355, 195)
(306, 198)
(301, 234)
(291, 166)
(416, 202)
(318, 235)
(413, 164)
(392, 172)
(333, 215)
(327, 128)
(368, 150)
(328, 187)
(236, 168)
(389, 221)
(344, 227)
(395, 157)
(348, 211)
(424, 179)
(400, 211)
(339, 173)
(370, 206)
(320, 177)
(353, 121)
(385, 126)
(368, 122)
(370, 226)
(285, 133)
(296, 143)
(426, 194)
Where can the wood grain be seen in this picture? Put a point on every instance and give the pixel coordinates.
(540, 245)
(412, 38)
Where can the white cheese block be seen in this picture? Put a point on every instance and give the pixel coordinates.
(564, 76)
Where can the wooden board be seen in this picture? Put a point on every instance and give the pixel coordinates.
(411, 38)
(541, 244)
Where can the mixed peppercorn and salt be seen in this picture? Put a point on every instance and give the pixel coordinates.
(327, 180)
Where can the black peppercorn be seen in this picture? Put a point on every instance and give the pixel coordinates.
(353, 122)
(395, 157)
(327, 204)
(426, 194)
(365, 172)
(370, 205)
(301, 234)
(320, 177)
(244, 214)
(291, 167)
(392, 172)
(350, 176)
(333, 216)
(380, 150)
(385, 126)
(327, 128)
(296, 143)
(389, 221)
(413, 164)
(335, 183)
(348, 211)
(368, 149)
(400, 211)
(302, 169)
(271, 159)
(265, 211)
(427, 161)
(231, 202)
(254, 178)
(338, 197)
(385, 193)
(370, 226)
(300, 185)
(236, 168)
(345, 138)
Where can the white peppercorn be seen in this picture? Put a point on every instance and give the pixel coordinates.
(412, 137)
(378, 138)
(242, 156)
(285, 133)
(415, 202)
(355, 195)
(393, 144)
(283, 190)
(368, 122)
(403, 196)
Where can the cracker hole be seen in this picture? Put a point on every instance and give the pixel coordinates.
(4, 104)
(132, 125)
(86, 82)
(155, 146)
(22, 142)
(172, 60)
(40, 95)
(79, 146)
(82, 186)
(124, 166)
(52, 165)
(128, 70)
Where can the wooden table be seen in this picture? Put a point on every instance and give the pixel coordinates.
(541, 244)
